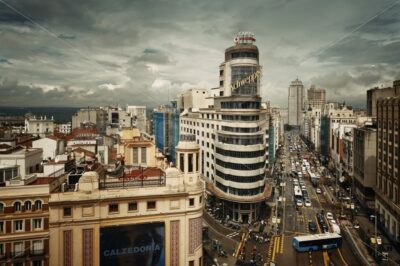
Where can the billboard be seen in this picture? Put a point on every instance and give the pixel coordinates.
(136, 244)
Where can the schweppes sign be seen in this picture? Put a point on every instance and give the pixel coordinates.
(247, 80)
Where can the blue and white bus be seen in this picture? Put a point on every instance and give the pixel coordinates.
(317, 242)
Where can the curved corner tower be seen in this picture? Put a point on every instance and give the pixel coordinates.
(241, 152)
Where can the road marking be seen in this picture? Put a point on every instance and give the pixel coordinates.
(341, 257)
(273, 251)
(282, 240)
(240, 245)
(232, 234)
(326, 258)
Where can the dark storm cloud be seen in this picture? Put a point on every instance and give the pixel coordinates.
(5, 61)
(145, 52)
(351, 85)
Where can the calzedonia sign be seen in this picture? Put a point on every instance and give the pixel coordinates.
(247, 80)
(136, 244)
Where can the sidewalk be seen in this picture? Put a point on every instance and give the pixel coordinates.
(367, 230)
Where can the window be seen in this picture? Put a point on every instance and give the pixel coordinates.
(18, 225)
(132, 206)
(67, 212)
(143, 154)
(1, 249)
(135, 155)
(151, 205)
(191, 202)
(1, 207)
(17, 206)
(18, 249)
(37, 247)
(181, 162)
(200, 199)
(38, 204)
(28, 205)
(191, 263)
(113, 208)
(37, 263)
(37, 223)
(1, 226)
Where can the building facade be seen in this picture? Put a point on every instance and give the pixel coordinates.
(364, 157)
(24, 225)
(42, 126)
(139, 116)
(387, 189)
(166, 130)
(151, 221)
(295, 102)
(375, 93)
(233, 135)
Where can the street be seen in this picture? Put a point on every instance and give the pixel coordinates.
(295, 169)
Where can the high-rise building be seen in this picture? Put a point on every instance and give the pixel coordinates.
(233, 135)
(375, 93)
(315, 98)
(166, 129)
(295, 102)
(387, 204)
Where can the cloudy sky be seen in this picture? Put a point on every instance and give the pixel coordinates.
(80, 53)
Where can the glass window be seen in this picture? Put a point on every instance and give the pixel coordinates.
(17, 206)
(38, 204)
(191, 202)
(37, 223)
(113, 208)
(132, 206)
(18, 225)
(241, 72)
(1, 226)
(67, 212)
(135, 155)
(28, 205)
(144, 154)
(151, 205)
(1, 207)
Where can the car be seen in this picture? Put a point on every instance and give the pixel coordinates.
(318, 190)
(312, 226)
(329, 216)
(303, 187)
(299, 203)
(332, 221)
(307, 203)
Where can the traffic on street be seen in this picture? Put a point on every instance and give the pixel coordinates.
(304, 223)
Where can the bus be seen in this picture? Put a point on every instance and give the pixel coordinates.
(297, 193)
(317, 242)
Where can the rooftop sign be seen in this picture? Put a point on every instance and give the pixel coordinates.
(244, 37)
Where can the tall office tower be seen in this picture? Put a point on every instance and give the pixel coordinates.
(233, 135)
(166, 129)
(387, 203)
(295, 102)
(316, 98)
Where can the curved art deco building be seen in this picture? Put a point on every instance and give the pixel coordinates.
(233, 136)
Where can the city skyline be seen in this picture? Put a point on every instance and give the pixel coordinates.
(73, 54)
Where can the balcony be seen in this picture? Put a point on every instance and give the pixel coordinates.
(36, 252)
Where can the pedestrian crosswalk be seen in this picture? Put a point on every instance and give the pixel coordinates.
(233, 234)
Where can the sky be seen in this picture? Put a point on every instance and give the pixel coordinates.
(145, 52)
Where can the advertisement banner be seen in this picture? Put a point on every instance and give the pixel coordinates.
(136, 244)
